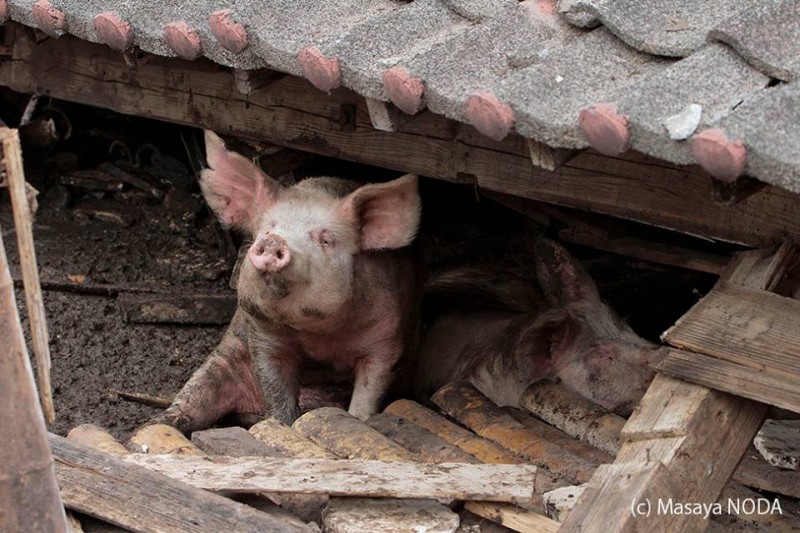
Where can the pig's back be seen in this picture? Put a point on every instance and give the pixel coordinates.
(335, 187)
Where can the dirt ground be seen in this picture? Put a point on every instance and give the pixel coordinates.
(96, 241)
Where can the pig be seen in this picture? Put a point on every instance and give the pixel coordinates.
(560, 330)
(329, 275)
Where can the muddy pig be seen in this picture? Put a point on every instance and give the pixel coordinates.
(566, 333)
(328, 276)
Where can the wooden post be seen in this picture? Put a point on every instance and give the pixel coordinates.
(29, 497)
(12, 159)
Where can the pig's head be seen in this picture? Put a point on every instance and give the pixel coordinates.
(299, 267)
(592, 350)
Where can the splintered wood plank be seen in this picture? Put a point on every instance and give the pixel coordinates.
(513, 517)
(761, 268)
(427, 446)
(754, 472)
(678, 430)
(343, 477)
(346, 436)
(292, 113)
(140, 500)
(466, 404)
(749, 327)
(782, 390)
(482, 449)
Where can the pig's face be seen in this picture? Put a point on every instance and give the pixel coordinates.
(299, 268)
(592, 350)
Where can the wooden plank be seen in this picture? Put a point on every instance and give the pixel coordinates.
(782, 390)
(346, 436)
(466, 404)
(23, 224)
(292, 113)
(753, 328)
(672, 438)
(137, 499)
(29, 497)
(558, 437)
(344, 477)
(547, 157)
(346, 515)
(754, 472)
(513, 517)
(762, 268)
(288, 441)
(483, 449)
(574, 414)
(430, 448)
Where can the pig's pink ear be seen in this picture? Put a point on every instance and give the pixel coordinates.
(387, 214)
(235, 188)
(561, 276)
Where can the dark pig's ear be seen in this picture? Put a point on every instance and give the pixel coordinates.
(386, 214)
(235, 188)
(561, 276)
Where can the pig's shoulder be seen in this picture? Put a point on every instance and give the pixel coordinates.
(336, 187)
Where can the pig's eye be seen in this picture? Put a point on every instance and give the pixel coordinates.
(322, 237)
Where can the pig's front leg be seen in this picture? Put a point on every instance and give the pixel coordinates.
(373, 377)
(277, 369)
(215, 389)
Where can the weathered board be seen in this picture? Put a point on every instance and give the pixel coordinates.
(343, 477)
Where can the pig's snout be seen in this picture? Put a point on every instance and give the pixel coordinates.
(269, 254)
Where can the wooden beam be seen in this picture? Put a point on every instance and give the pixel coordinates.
(292, 113)
(348, 515)
(753, 328)
(774, 388)
(673, 439)
(29, 497)
(143, 501)
(680, 445)
(23, 223)
(547, 157)
(344, 477)
(513, 517)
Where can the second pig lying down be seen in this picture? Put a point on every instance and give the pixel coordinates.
(515, 333)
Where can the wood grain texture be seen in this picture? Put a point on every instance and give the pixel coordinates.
(671, 441)
(753, 328)
(466, 404)
(287, 441)
(346, 436)
(482, 449)
(342, 477)
(430, 448)
(513, 517)
(143, 501)
(29, 496)
(292, 113)
(773, 388)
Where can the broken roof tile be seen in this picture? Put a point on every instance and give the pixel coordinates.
(715, 78)
(675, 28)
(766, 34)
